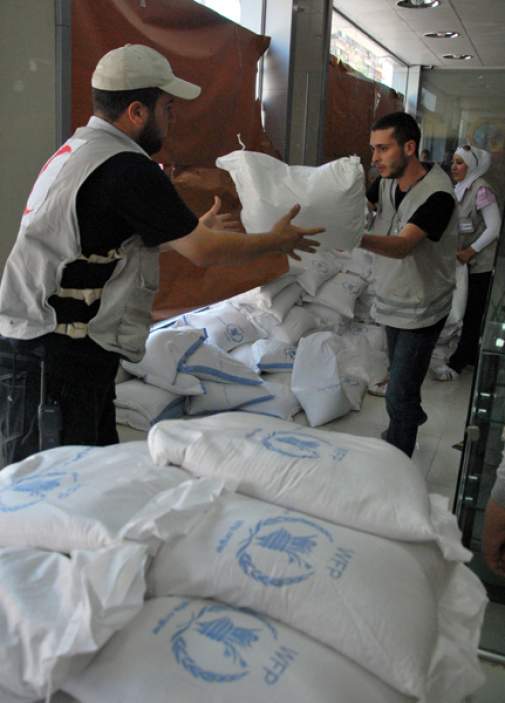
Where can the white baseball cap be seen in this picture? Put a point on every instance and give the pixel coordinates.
(135, 66)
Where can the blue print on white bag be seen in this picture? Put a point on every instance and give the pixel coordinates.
(31, 490)
(234, 333)
(233, 642)
(292, 538)
(35, 488)
(297, 445)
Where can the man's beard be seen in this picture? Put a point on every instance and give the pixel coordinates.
(398, 169)
(150, 139)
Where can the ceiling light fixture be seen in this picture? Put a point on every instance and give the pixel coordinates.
(418, 4)
(442, 35)
(458, 57)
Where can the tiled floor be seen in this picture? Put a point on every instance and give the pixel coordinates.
(446, 405)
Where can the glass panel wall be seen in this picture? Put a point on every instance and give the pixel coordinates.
(465, 107)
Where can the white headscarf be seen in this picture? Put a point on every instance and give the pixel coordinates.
(478, 162)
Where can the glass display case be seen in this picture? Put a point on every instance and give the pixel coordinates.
(482, 452)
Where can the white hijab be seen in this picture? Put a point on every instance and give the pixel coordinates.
(478, 162)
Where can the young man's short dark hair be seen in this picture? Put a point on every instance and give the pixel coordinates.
(112, 103)
(405, 128)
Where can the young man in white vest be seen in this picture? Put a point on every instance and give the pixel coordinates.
(415, 237)
(77, 289)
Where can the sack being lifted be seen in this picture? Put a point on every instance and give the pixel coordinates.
(331, 195)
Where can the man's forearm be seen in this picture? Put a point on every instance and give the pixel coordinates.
(393, 247)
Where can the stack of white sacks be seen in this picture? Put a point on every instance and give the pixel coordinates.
(158, 571)
(294, 344)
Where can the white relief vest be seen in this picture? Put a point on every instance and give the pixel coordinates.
(48, 240)
(484, 260)
(415, 291)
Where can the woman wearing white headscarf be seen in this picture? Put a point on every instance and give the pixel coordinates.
(479, 227)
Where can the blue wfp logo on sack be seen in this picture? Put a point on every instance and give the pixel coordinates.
(222, 656)
(234, 333)
(35, 488)
(293, 539)
(29, 491)
(297, 445)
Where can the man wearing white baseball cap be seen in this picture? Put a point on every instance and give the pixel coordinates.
(77, 288)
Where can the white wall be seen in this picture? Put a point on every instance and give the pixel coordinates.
(27, 105)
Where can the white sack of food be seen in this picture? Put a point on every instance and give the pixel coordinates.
(361, 263)
(294, 326)
(339, 293)
(139, 405)
(327, 318)
(184, 650)
(331, 195)
(319, 268)
(220, 397)
(89, 497)
(165, 349)
(263, 296)
(273, 356)
(226, 326)
(58, 610)
(323, 380)
(245, 355)
(282, 402)
(375, 334)
(337, 585)
(360, 482)
(210, 363)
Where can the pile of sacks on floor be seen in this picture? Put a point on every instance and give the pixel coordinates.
(306, 342)
(233, 557)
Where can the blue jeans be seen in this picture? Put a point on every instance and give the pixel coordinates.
(409, 359)
(83, 387)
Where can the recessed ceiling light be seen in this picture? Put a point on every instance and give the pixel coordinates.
(442, 35)
(418, 4)
(458, 57)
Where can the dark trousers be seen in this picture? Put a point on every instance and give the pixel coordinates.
(409, 358)
(468, 345)
(84, 390)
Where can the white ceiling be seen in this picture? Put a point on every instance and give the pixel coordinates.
(481, 24)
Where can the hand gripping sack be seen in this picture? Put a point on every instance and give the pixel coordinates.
(332, 195)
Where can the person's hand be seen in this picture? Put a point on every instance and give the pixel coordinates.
(213, 219)
(293, 238)
(464, 255)
(493, 537)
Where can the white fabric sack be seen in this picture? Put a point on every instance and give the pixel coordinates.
(58, 610)
(263, 296)
(139, 405)
(283, 403)
(90, 497)
(364, 306)
(339, 293)
(331, 195)
(296, 324)
(360, 482)
(226, 327)
(327, 318)
(220, 397)
(210, 363)
(319, 379)
(336, 585)
(361, 263)
(245, 355)
(165, 348)
(284, 301)
(375, 334)
(319, 268)
(182, 650)
(361, 366)
(273, 356)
